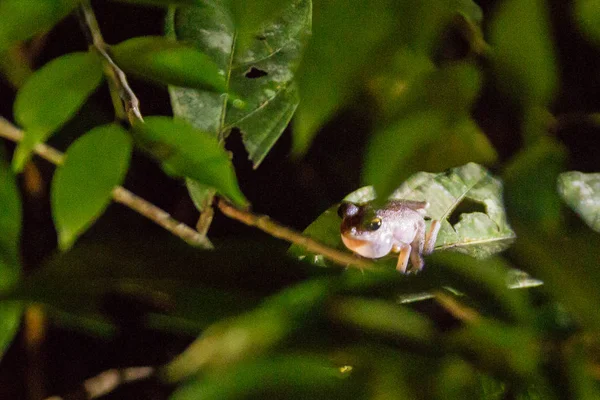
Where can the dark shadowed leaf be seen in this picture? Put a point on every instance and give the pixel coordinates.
(587, 13)
(51, 96)
(22, 19)
(582, 193)
(189, 152)
(10, 228)
(289, 377)
(82, 187)
(523, 52)
(166, 61)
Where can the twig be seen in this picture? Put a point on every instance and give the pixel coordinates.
(456, 309)
(110, 380)
(274, 229)
(120, 194)
(117, 78)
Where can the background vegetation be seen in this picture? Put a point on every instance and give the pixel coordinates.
(290, 106)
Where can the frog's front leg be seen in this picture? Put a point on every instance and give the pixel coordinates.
(404, 251)
(431, 236)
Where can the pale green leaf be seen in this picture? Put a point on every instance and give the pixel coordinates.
(479, 234)
(82, 187)
(51, 96)
(189, 152)
(10, 228)
(523, 53)
(582, 193)
(21, 19)
(166, 61)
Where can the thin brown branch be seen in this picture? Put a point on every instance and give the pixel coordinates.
(457, 309)
(120, 194)
(117, 79)
(274, 229)
(108, 381)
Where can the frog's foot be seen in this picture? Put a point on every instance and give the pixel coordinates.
(431, 236)
(405, 251)
(416, 262)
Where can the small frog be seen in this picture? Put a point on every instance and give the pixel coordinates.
(397, 227)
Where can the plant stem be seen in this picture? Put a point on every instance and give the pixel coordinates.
(121, 92)
(120, 194)
(108, 381)
(274, 229)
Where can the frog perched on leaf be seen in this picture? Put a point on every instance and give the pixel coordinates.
(399, 227)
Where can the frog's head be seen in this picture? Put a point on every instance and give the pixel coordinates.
(364, 230)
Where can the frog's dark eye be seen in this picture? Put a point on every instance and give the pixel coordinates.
(374, 224)
(347, 209)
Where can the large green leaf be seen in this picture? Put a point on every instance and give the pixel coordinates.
(523, 51)
(357, 39)
(479, 233)
(22, 19)
(51, 96)
(189, 152)
(262, 75)
(10, 228)
(582, 193)
(166, 61)
(82, 187)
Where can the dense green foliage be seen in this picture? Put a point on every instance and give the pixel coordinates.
(295, 324)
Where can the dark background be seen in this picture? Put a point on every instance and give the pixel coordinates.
(292, 192)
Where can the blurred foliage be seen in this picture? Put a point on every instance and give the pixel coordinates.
(295, 325)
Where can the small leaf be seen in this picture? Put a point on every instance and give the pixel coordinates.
(523, 51)
(582, 193)
(21, 19)
(10, 228)
(82, 187)
(166, 61)
(51, 97)
(587, 13)
(188, 152)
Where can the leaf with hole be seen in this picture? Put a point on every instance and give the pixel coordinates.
(51, 96)
(466, 200)
(82, 187)
(21, 19)
(262, 75)
(10, 228)
(189, 152)
(582, 193)
(165, 61)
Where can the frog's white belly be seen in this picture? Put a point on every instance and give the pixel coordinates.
(369, 249)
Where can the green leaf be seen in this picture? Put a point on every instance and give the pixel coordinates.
(250, 17)
(82, 187)
(21, 19)
(534, 199)
(587, 13)
(10, 227)
(271, 99)
(189, 152)
(261, 329)
(480, 233)
(523, 51)
(289, 377)
(165, 61)
(582, 193)
(51, 97)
